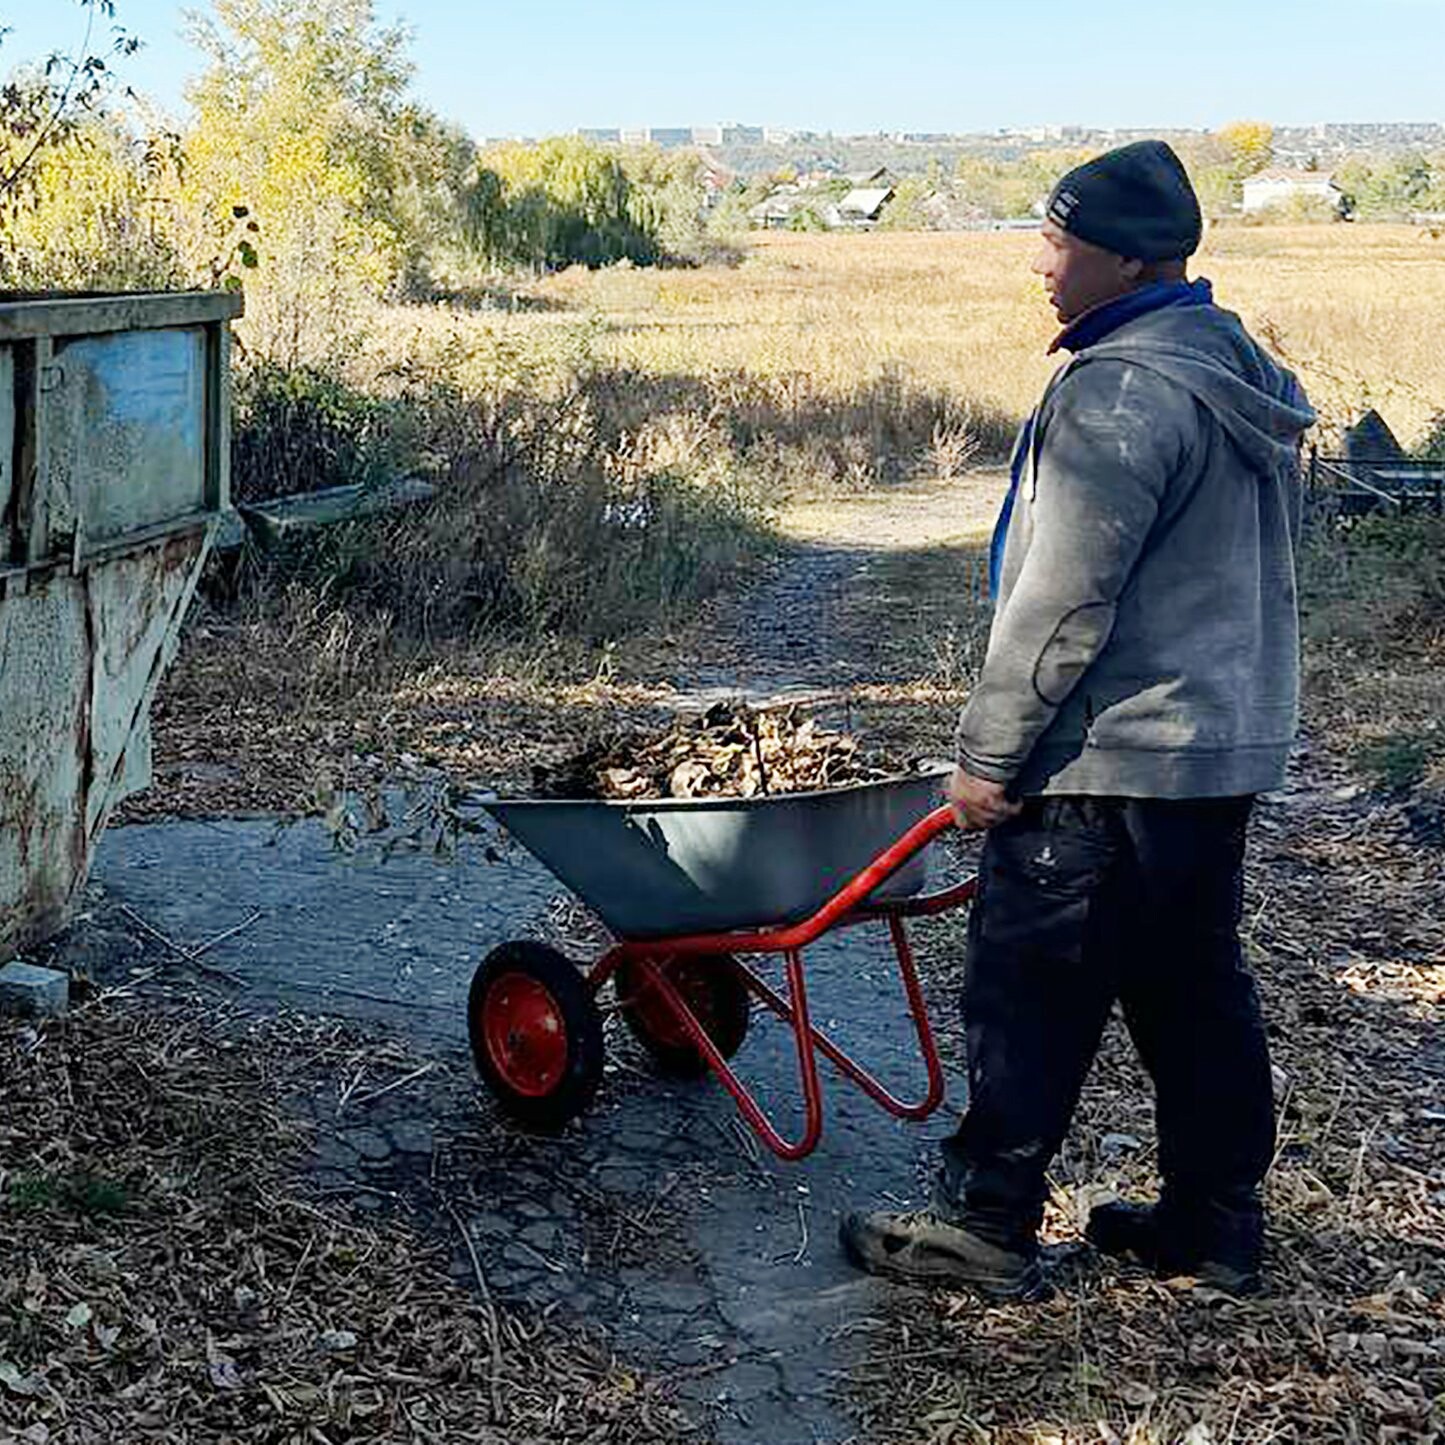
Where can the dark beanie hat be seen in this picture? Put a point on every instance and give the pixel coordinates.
(1135, 201)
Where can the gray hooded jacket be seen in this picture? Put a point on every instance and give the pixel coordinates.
(1145, 641)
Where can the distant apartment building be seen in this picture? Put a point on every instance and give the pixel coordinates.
(726, 134)
(1048, 134)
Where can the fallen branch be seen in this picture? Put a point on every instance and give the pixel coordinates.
(189, 955)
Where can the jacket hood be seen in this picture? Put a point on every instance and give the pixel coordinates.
(1206, 350)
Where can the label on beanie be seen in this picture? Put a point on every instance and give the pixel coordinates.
(1061, 207)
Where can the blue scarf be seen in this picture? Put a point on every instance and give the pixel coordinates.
(1088, 330)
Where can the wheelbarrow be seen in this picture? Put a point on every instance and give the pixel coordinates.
(689, 888)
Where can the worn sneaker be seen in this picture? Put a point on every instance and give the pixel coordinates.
(1222, 1248)
(922, 1247)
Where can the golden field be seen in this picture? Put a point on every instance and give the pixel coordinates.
(1358, 310)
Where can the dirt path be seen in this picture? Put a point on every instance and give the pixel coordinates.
(842, 608)
(656, 1221)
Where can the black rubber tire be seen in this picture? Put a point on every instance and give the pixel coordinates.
(578, 1065)
(714, 992)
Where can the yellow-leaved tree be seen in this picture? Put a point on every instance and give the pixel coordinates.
(76, 200)
(297, 120)
(1250, 144)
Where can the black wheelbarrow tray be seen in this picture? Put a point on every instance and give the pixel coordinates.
(689, 888)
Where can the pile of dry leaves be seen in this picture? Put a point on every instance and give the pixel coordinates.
(165, 1279)
(729, 751)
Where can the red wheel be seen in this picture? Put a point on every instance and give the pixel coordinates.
(536, 1034)
(711, 988)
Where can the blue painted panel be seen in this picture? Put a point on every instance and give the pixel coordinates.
(127, 431)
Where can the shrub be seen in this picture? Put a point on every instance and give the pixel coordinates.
(84, 218)
(1398, 761)
(1382, 575)
(301, 428)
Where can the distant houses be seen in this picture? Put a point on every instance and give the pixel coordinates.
(775, 212)
(794, 207)
(815, 197)
(1280, 187)
(878, 177)
(786, 206)
(864, 206)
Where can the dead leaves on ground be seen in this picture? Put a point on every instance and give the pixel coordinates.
(164, 1279)
(1345, 929)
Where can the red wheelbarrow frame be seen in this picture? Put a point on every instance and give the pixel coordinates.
(846, 907)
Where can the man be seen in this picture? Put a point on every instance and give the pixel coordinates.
(1140, 688)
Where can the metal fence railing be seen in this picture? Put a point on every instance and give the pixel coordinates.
(1398, 485)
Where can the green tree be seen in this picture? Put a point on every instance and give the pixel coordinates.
(1012, 190)
(1395, 186)
(905, 211)
(556, 203)
(434, 161)
(665, 197)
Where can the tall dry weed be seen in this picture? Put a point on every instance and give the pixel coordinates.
(1356, 309)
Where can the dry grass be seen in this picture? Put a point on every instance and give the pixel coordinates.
(611, 441)
(1356, 308)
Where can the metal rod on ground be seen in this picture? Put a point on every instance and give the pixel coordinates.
(210, 943)
(395, 1084)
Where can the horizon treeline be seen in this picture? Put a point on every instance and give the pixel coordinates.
(308, 165)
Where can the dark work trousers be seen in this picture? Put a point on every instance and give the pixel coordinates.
(1084, 901)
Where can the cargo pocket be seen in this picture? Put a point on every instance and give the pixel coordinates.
(1041, 885)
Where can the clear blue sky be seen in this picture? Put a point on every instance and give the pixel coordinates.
(502, 67)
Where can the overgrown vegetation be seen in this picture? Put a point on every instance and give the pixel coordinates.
(565, 202)
(608, 436)
(1374, 615)
(309, 174)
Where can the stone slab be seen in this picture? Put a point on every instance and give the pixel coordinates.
(33, 992)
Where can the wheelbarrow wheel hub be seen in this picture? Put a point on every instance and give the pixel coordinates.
(712, 988)
(525, 1035)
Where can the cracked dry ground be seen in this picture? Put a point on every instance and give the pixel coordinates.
(658, 1225)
